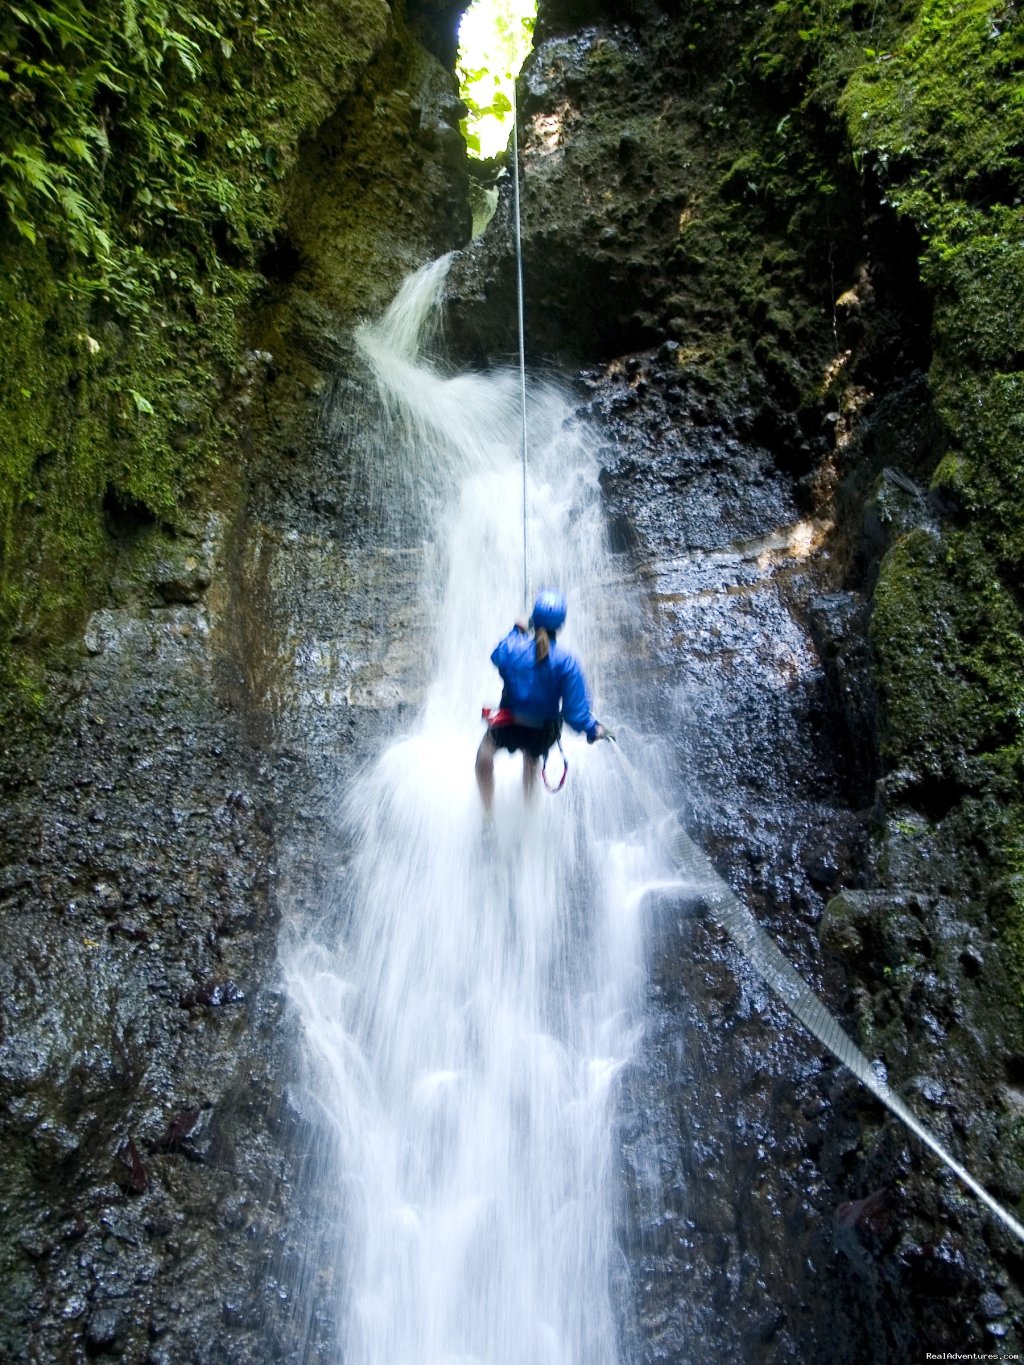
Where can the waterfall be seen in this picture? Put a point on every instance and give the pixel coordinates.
(467, 1004)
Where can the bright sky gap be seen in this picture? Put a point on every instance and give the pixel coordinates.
(494, 39)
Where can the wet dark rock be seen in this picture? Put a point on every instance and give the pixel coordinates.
(823, 862)
(729, 653)
(784, 792)
(991, 1305)
(214, 994)
(183, 581)
(933, 1269)
(932, 1091)
(137, 1177)
(838, 624)
(182, 1129)
(871, 1216)
(848, 923)
(213, 682)
(972, 960)
(897, 506)
(133, 932)
(103, 1330)
(34, 1245)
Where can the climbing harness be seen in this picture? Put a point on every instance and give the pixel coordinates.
(565, 763)
(496, 716)
(764, 954)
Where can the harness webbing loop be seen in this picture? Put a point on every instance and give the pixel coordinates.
(565, 771)
(497, 716)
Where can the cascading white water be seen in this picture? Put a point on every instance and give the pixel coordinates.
(465, 1027)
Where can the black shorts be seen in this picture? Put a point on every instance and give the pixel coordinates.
(532, 741)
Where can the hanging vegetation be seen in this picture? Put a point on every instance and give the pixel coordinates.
(143, 145)
(494, 39)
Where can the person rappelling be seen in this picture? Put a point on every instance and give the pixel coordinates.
(543, 684)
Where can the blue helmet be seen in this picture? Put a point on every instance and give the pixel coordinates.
(549, 610)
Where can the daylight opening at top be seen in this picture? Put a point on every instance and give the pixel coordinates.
(494, 39)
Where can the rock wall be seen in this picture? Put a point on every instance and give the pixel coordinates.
(157, 550)
(767, 229)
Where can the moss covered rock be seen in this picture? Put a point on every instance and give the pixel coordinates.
(937, 122)
(163, 197)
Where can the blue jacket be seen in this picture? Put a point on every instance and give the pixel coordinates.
(534, 692)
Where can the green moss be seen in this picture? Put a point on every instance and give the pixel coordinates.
(101, 416)
(936, 120)
(975, 262)
(947, 635)
(943, 103)
(952, 476)
(129, 253)
(940, 122)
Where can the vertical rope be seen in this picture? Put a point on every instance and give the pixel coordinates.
(524, 454)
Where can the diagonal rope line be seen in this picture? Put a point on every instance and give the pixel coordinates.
(763, 953)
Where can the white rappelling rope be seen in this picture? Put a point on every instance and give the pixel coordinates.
(524, 453)
(765, 955)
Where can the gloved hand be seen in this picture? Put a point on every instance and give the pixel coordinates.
(597, 733)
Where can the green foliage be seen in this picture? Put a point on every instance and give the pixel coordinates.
(136, 129)
(495, 37)
(940, 124)
(947, 634)
(805, 50)
(65, 69)
(143, 145)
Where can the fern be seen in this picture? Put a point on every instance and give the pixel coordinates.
(185, 50)
(101, 159)
(31, 167)
(75, 147)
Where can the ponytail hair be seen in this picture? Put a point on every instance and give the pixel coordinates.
(542, 644)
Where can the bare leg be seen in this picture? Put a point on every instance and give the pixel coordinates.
(485, 772)
(530, 769)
